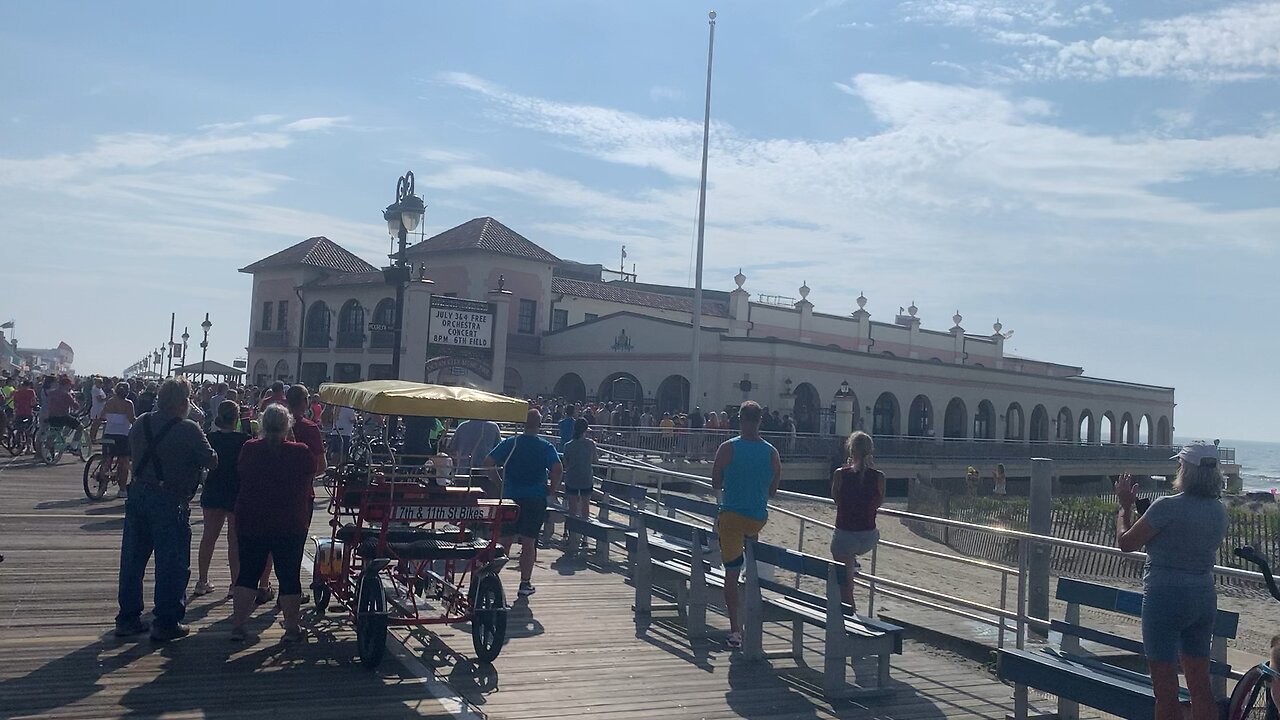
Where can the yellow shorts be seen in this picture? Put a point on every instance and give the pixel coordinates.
(733, 530)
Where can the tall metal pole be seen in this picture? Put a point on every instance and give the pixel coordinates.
(402, 242)
(173, 317)
(695, 383)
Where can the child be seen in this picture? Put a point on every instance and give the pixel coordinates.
(858, 489)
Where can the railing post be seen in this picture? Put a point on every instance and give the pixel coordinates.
(1040, 522)
(871, 584)
(1004, 604)
(800, 547)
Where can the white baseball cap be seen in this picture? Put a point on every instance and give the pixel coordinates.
(1197, 453)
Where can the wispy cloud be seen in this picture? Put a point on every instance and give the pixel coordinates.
(822, 7)
(1005, 13)
(315, 123)
(1239, 42)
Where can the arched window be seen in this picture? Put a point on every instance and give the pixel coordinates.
(317, 332)
(571, 388)
(281, 371)
(984, 423)
(351, 325)
(1163, 436)
(384, 318)
(920, 417)
(673, 395)
(1039, 424)
(1013, 422)
(808, 408)
(955, 424)
(1064, 425)
(260, 376)
(1087, 430)
(1107, 428)
(884, 418)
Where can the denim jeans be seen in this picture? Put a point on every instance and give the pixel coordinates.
(160, 522)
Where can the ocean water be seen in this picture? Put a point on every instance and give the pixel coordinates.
(1259, 463)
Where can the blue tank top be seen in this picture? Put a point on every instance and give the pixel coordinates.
(747, 479)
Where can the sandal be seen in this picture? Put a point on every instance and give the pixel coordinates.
(265, 595)
(204, 587)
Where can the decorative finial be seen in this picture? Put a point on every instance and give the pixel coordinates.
(862, 300)
(957, 318)
(804, 291)
(740, 278)
(997, 327)
(913, 309)
(502, 282)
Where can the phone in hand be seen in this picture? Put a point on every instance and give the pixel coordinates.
(1142, 504)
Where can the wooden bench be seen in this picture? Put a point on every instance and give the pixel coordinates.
(847, 636)
(670, 558)
(1078, 678)
(604, 531)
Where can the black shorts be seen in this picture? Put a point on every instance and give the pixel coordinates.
(533, 512)
(115, 445)
(65, 421)
(577, 492)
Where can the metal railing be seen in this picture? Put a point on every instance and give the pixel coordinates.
(998, 617)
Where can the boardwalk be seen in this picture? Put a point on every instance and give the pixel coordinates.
(574, 650)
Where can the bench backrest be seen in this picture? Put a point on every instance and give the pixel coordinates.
(625, 492)
(1129, 602)
(796, 561)
(690, 505)
(671, 526)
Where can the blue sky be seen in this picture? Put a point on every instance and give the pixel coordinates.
(1101, 176)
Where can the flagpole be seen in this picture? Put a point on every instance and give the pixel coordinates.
(695, 382)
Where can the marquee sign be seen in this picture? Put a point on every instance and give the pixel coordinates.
(455, 323)
(483, 368)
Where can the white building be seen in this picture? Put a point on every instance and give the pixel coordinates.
(562, 328)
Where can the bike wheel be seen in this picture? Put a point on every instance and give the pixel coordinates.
(371, 620)
(95, 481)
(488, 618)
(320, 597)
(1250, 699)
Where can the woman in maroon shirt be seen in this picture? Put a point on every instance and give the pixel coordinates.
(858, 489)
(273, 513)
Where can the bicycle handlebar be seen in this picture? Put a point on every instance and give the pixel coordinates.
(1249, 554)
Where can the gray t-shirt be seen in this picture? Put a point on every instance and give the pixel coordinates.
(1189, 533)
(578, 454)
(474, 439)
(181, 453)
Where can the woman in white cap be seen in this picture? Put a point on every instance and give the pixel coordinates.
(1181, 534)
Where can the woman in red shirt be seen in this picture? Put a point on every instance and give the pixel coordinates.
(858, 489)
(273, 514)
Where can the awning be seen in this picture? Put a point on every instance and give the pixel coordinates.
(208, 367)
(401, 397)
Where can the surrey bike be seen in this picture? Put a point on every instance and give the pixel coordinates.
(404, 550)
(1252, 698)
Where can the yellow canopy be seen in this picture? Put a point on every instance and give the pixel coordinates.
(401, 397)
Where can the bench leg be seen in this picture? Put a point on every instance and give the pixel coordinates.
(573, 541)
(1068, 709)
(548, 529)
(696, 618)
(883, 678)
(797, 640)
(642, 577)
(1020, 703)
(602, 549)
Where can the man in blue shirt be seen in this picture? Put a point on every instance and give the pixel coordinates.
(566, 425)
(749, 471)
(528, 462)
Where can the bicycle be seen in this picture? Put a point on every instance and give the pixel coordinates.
(1251, 699)
(100, 470)
(19, 439)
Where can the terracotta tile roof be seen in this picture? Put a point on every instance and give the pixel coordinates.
(319, 252)
(617, 292)
(484, 233)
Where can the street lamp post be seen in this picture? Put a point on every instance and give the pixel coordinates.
(204, 344)
(185, 337)
(402, 218)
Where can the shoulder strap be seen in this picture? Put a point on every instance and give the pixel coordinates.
(152, 442)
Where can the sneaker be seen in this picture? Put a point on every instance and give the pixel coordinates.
(526, 589)
(239, 634)
(293, 636)
(734, 640)
(204, 587)
(265, 595)
(136, 626)
(172, 632)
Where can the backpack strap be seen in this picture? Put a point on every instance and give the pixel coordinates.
(152, 442)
